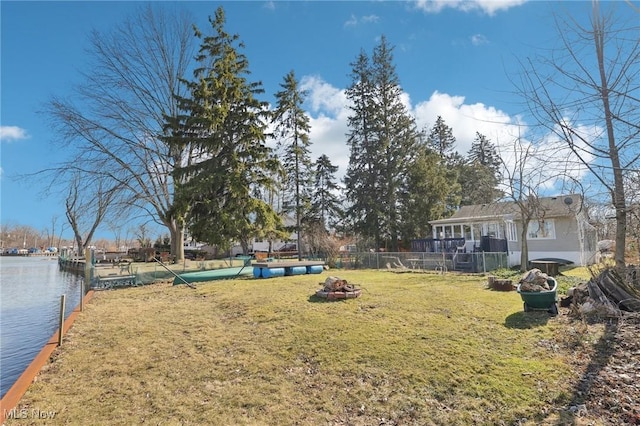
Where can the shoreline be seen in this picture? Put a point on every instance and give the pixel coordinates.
(15, 393)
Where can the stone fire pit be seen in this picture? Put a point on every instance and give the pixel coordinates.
(335, 288)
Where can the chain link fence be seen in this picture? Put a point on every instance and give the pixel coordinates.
(476, 262)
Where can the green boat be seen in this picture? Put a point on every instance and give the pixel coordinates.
(212, 275)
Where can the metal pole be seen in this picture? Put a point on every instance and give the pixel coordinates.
(60, 333)
(82, 295)
(87, 275)
(158, 261)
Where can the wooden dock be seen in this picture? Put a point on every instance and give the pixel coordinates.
(287, 264)
(286, 268)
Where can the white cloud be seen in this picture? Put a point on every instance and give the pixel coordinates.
(479, 39)
(464, 119)
(354, 21)
(328, 120)
(370, 19)
(564, 161)
(12, 133)
(328, 109)
(322, 96)
(351, 22)
(490, 7)
(549, 164)
(328, 135)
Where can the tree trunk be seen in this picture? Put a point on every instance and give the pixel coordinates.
(177, 246)
(618, 193)
(524, 248)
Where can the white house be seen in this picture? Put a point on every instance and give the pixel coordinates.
(560, 231)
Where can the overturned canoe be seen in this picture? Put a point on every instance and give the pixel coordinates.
(212, 275)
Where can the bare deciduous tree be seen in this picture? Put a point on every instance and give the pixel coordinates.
(522, 181)
(86, 205)
(114, 121)
(592, 81)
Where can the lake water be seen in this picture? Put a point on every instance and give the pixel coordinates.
(30, 290)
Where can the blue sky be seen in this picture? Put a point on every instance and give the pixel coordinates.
(453, 58)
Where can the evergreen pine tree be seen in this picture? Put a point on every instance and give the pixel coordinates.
(441, 139)
(292, 132)
(484, 152)
(362, 177)
(382, 138)
(224, 123)
(326, 206)
(427, 193)
(397, 138)
(480, 174)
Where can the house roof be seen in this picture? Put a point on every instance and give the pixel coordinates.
(559, 206)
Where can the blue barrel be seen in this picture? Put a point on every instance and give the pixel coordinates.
(257, 272)
(298, 270)
(272, 272)
(315, 269)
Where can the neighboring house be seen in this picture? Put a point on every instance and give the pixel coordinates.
(561, 231)
(277, 245)
(257, 245)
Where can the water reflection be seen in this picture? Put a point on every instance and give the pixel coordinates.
(30, 290)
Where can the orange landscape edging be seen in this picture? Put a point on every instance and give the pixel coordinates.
(18, 389)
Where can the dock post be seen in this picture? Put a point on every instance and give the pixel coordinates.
(61, 322)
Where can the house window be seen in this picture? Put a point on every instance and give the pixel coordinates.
(438, 232)
(476, 230)
(492, 230)
(467, 232)
(541, 229)
(512, 234)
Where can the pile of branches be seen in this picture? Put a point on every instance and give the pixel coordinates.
(610, 287)
(609, 293)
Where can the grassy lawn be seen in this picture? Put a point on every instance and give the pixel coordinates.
(413, 349)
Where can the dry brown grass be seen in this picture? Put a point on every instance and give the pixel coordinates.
(413, 349)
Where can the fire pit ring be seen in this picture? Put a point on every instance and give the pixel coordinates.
(335, 288)
(336, 295)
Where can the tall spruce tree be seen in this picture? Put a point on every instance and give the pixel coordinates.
(484, 152)
(362, 183)
(441, 139)
(427, 193)
(479, 175)
(397, 137)
(225, 123)
(383, 135)
(292, 132)
(326, 207)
